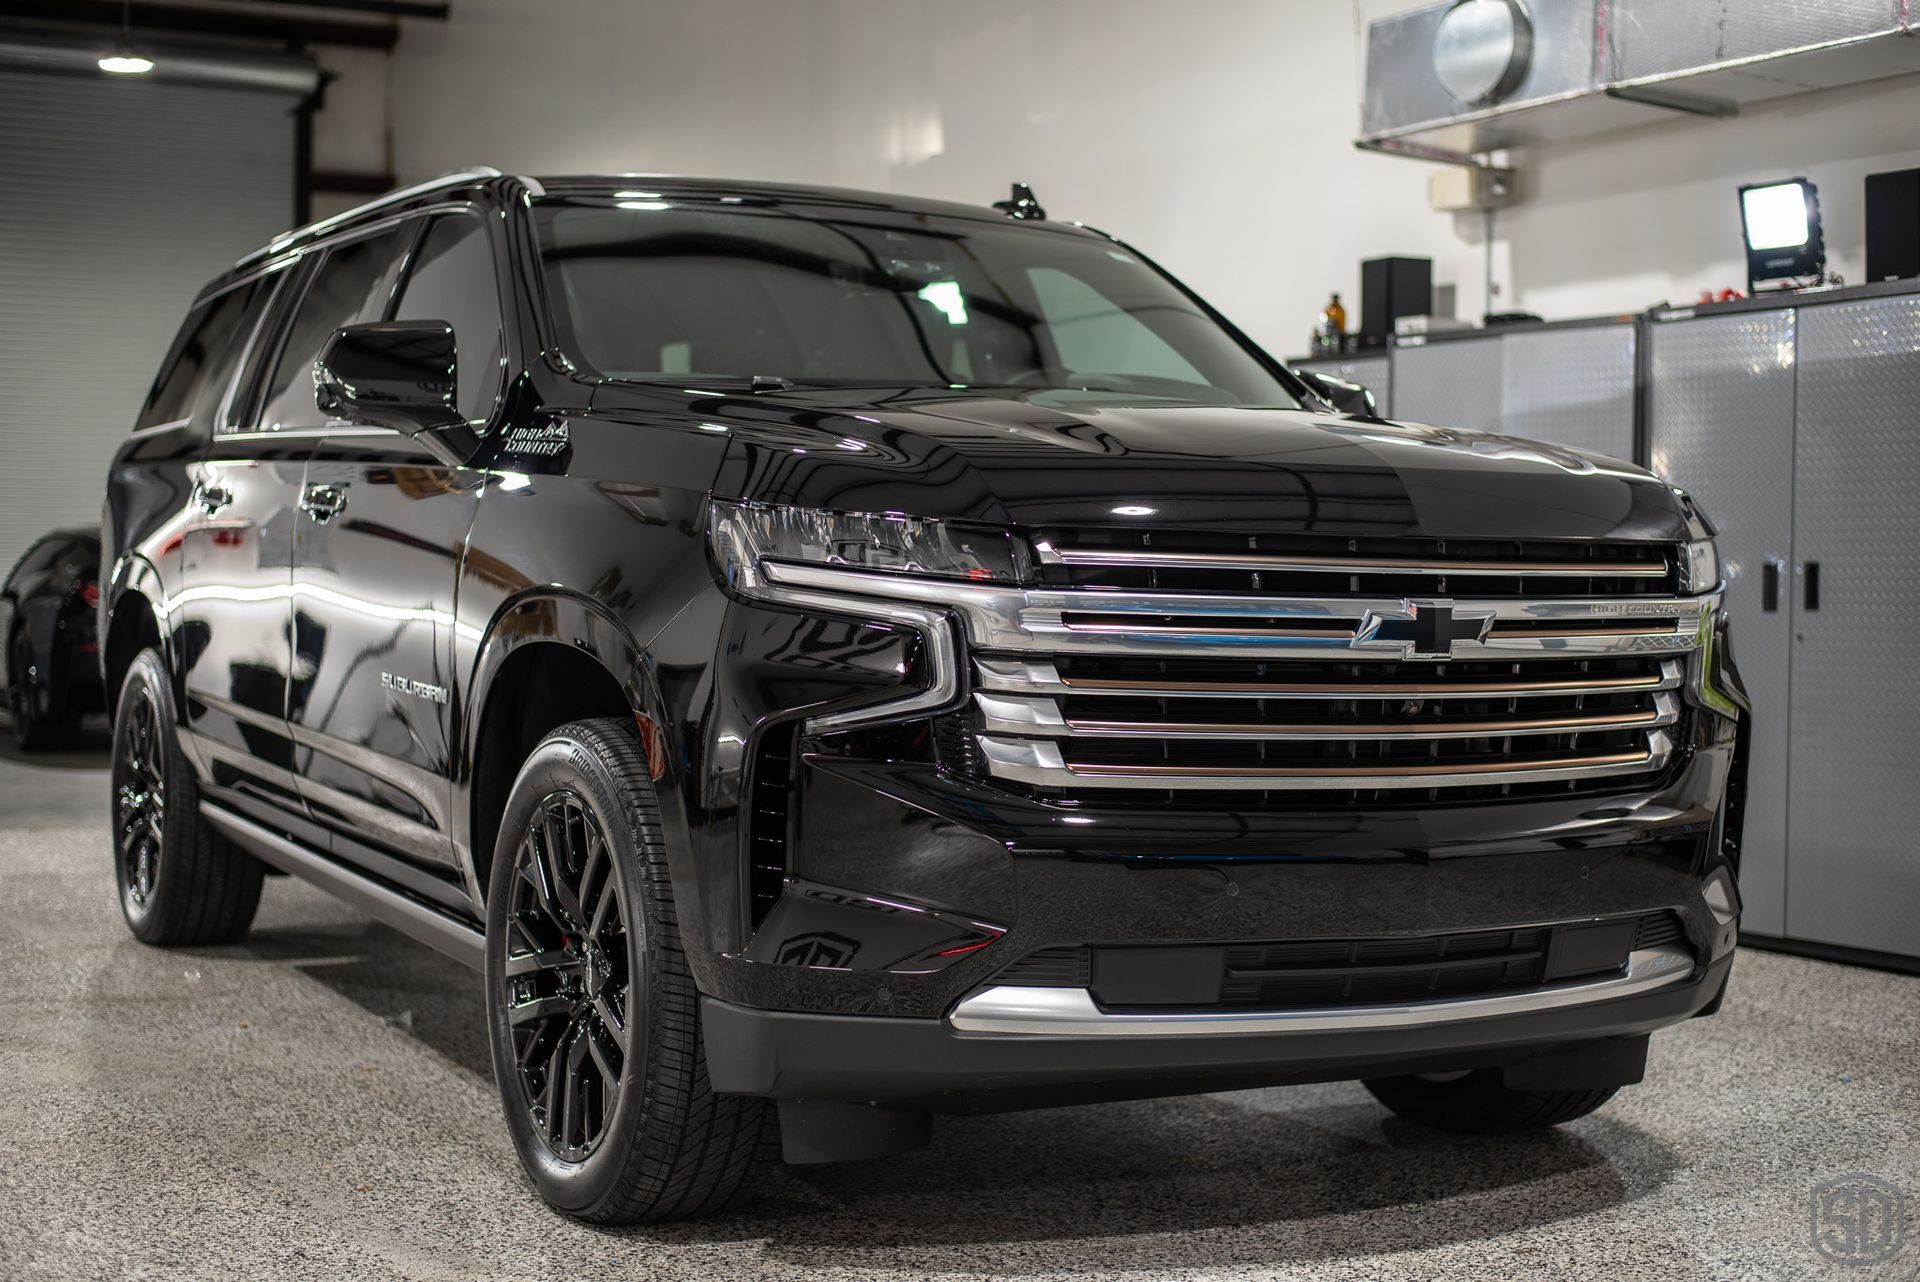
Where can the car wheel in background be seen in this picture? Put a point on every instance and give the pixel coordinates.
(181, 881)
(592, 1014)
(34, 729)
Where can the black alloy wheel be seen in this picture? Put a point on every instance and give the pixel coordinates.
(593, 1016)
(139, 798)
(569, 991)
(26, 731)
(181, 880)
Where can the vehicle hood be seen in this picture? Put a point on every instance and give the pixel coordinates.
(1054, 459)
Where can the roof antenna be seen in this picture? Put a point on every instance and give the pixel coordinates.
(1023, 205)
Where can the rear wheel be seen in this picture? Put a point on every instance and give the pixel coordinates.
(1481, 1103)
(593, 1017)
(181, 881)
(34, 729)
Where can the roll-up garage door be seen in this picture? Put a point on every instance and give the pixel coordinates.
(118, 200)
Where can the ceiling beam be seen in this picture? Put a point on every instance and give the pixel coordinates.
(245, 22)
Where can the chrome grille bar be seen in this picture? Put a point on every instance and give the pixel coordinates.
(1012, 714)
(1156, 559)
(1008, 618)
(1043, 763)
(1042, 676)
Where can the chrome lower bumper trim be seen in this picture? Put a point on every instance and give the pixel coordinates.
(1071, 1012)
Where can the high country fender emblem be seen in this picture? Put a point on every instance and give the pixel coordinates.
(1421, 629)
(418, 689)
(542, 441)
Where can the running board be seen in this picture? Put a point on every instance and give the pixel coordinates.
(405, 914)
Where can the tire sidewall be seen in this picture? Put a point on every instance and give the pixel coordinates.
(563, 763)
(147, 673)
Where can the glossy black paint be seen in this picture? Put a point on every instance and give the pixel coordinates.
(349, 680)
(392, 374)
(48, 638)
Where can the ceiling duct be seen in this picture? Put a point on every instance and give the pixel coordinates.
(1467, 77)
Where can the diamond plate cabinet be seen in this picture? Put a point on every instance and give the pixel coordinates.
(1571, 384)
(1572, 387)
(1853, 873)
(1799, 430)
(1451, 383)
(1720, 409)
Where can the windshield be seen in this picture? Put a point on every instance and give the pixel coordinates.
(651, 289)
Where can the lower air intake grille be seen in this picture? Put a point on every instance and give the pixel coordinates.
(771, 800)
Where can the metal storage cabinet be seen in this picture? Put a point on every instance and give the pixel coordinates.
(1449, 383)
(1572, 387)
(1853, 873)
(1720, 423)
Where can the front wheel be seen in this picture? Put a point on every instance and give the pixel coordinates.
(1481, 1103)
(594, 1020)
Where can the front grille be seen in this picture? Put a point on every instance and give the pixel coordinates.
(1302, 974)
(1321, 566)
(1157, 667)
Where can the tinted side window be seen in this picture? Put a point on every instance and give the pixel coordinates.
(209, 330)
(348, 287)
(452, 280)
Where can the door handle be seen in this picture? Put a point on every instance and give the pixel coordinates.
(211, 498)
(1810, 589)
(323, 502)
(1770, 586)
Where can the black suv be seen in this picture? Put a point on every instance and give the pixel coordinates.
(831, 659)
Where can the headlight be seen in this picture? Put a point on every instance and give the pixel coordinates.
(745, 534)
(1700, 567)
(1700, 560)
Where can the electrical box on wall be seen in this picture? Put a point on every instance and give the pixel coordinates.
(1470, 187)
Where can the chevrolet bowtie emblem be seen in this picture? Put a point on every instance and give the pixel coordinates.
(1421, 629)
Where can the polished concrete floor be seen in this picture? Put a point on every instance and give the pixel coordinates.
(315, 1103)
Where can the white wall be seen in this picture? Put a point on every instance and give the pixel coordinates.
(1215, 134)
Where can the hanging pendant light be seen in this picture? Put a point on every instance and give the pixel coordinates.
(124, 61)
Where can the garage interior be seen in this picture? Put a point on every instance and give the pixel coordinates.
(1565, 261)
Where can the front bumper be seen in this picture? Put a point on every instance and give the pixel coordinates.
(931, 1066)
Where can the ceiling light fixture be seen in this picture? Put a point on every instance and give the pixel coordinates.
(124, 61)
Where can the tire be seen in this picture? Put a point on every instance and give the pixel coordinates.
(33, 729)
(1478, 1103)
(580, 910)
(180, 880)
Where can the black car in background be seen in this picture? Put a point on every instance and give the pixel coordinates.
(831, 659)
(51, 659)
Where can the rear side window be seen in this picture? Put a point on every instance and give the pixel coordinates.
(452, 280)
(200, 347)
(349, 286)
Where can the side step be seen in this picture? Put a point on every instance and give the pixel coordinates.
(407, 915)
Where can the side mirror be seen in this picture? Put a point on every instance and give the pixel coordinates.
(1348, 398)
(399, 375)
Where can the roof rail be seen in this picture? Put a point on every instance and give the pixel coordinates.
(287, 239)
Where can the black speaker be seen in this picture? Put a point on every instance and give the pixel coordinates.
(1389, 289)
(1893, 225)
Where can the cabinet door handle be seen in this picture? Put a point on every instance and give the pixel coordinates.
(1770, 587)
(1810, 591)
